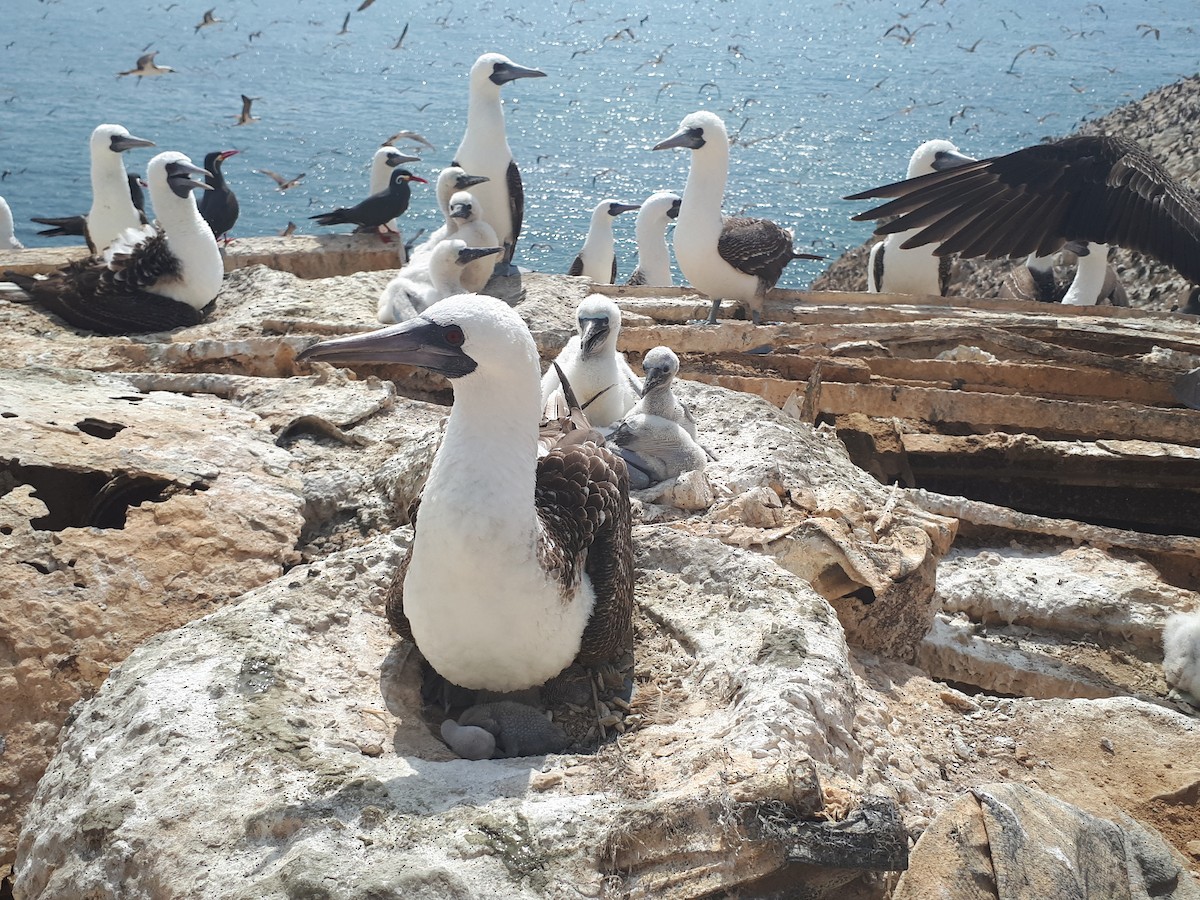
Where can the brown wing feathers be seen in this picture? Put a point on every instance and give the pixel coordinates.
(755, 246)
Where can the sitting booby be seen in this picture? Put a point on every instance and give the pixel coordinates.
(893, 270)
(1035, 280)
(405, 297)
(8, 237)
(484, 150)
(1101, 189)
(450, 181)
(150, 279)
(218, 206)
(654, 261)
(377, 208)
(661, 365)
(76, 226)
(146, 68)
(597, 259)
(725, 258)
(600, 376)
(550, 573)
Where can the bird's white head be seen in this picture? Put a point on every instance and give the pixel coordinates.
(452, 253)
(697, 130)
(391, 157)
(493, 70)
(170, 175)
(115, 138)
(599, 324)
(611, 208)
(935, 156)
(659, 207)
(464, 207)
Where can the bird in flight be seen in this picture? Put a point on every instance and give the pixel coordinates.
(284, 183)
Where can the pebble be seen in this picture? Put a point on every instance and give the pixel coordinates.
(958, 701)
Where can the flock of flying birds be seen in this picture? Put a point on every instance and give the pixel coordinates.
(551, 580)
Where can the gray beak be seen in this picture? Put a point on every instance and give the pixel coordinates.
(592, 333)
(947, 159)
(460, 211)
(119, 143)
(180, 183)
(395, 159)
(417, 342)
(655, 376)
(615, 209)
(462, 182)
(685, 138)
(470, 254)
(506, 72)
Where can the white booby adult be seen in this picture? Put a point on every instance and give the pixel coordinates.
(382, 162)
(76, 226)
(1095, 279)
(8, 237)
(597, 259)
(550, 578)
(599, 376)
(484, 150)
(149, 279)
(112, 209)
(725, 258)
(654, 261)
(406, 297)
(893, 270)
(1101, 189)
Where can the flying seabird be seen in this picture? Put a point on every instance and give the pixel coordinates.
(283, 183)
(1101, 189)
(600, 376)
(450, 181)
(406, 297)
(654, 262)
(8, 239)
(892, 270)
(410, 136)
(597, 259)
(146, 68)
(550, 574)
(219, 206)
(244, 117)
(725, 258)
(377, 208)
(1035, 280)
(76, 226)
(209, 19)
(112, 209)
(150, 279)
(484, 150)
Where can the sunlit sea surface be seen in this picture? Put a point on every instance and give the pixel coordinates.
(823, 98)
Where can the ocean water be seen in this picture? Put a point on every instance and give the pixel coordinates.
(824, 98)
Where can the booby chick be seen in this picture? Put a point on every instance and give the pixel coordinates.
(112, 209)
(474, 231)
(894, 270)
(725, 258)
(661, 365)
(76, 226)
(484, 150)
(1181, 654)
(152, 279)
(218, 206)
(450, 181)
(377, 208)
(1102, 189)
(405, 297)
(597, 259)
(8, 237)
(654, 261)
(598, 374)
(550, 578)
(1035, 280)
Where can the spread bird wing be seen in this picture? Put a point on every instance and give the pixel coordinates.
(755, 246)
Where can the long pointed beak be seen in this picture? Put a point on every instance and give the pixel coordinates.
(228, 153)
(470, 254)
(416, 342)
(466, 181)
(593, 333)
(655, 376)
(949, 159)
(395, 159)
(682, 139)
(615, 209)
(511, 72)
(128, 142)
(177, 172)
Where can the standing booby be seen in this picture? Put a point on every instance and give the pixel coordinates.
(725, 258)
(597, 259)
(151, 279)
(894, 270)
(598, 374)
(219, 206)
(474, 231)
(76, 226)
(654, 261)
(146, 68)
(377, 208)
(548, 540)
(484, 150)
(1035, 279)
(450, 181)
(112, 209)
(406, 297)
(8, 238)
(1097, 188)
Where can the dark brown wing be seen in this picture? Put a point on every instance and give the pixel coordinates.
(944, 266)
(516, 201)
(1102, 189)
(638, 277)
(755, 246)
(393, 602)
(576, 266)
(613, 279)
(582, 498)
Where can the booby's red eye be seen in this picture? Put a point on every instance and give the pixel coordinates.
(453, 335)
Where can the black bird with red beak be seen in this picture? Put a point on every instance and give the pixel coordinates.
(377, 209)
(219, 206)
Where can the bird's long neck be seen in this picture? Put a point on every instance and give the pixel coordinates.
(379, 177)
(191, 241)
(485, 118)
(705, 188)
(652, 246)
(111, 203)
(599, 242)
(6, 225)
(1089, 277)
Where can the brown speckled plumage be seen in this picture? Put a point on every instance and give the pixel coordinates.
(757, 247)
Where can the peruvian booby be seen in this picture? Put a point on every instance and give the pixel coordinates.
(8, 237)
(218, 206)
(1035, 279)
(1101, 189)
(406, 297)
(484, 150)
(600, 376)
(244, 117)
(894, 270)
(661, 365)
(473, 230)
(146, 68)
(112, 210)
(152, 279)
(725, 258)
(654, 261)
(450, 181)
(597, 259)
(550, 573)
(76, 226)
(377, 208)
